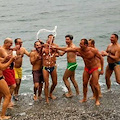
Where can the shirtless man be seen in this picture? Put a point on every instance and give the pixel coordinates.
(91, 43)
(91, 67)
(8, 73)
(49, 67)
(113, 58)
(36, 61)
(18, 65)
(71, 66)
(4, 90)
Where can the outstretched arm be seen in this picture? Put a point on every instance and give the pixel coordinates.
(26, 52)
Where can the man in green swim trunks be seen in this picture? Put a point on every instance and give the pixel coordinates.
(88, 55)
(71, 66)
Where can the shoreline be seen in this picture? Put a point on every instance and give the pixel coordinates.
(67, 108)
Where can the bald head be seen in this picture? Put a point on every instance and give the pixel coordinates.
(8, 43)
(7, 40)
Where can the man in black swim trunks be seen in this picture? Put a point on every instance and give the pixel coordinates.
(113, 59)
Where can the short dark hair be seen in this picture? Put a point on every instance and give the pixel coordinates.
(51, 35)
(16, 40)
(35, 43)
(70, 36)
(92, 41)
(85, 41)
(115, 35)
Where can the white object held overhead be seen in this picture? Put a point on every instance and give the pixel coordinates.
(54, 31)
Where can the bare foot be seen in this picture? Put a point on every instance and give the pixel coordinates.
(5, 117)
(92, 98)
(35, 98)
(83, 100)
(68, 95)
(47, 100)
(10, 107)
(97, 103)
(52, 97)
(15, 98)
(11, 104)
(100, 95)
(39, 97)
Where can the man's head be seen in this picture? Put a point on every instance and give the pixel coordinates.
(91, 43)
(50, 39)
(114, 38)
(83, 43)
(37, 45)
(68, 39)
(18, 41)
(8, 42)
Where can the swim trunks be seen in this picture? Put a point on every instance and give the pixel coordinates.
(18, 73)
(49, 69)
(112, 65)
(90, 71)
(9, 75)
(1, 77)
(37, 76)
(72, 66)
(12, 65)
(99, 69)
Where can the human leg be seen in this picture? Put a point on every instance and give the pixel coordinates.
(4, 90)
(54, 83)
(46, 88)
(36, 86)
(95, 86)
(72, 78)
(67, 74)
(18, 82)
(86, 77)
(108, 74)
(12, 88)
(40, 90)
(92, 88)
(117, 73)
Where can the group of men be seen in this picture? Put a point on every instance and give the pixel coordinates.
(10, 72)
(43, 61)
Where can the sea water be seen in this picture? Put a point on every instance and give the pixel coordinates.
(96, 19)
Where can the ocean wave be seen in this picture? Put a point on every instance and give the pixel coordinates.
(26, 77)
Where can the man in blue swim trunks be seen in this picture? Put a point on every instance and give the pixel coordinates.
(49, 67)
(71, 66)
(113, 58)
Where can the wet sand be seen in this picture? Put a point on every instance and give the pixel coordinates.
(68, 108)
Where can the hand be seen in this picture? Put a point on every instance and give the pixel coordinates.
(101, 72)
(13, 58)
(17, 47)
(7, 58)
(104, 53)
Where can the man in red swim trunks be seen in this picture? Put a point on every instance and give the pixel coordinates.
(9, 72)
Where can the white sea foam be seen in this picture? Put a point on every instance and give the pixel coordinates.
(64, 89)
